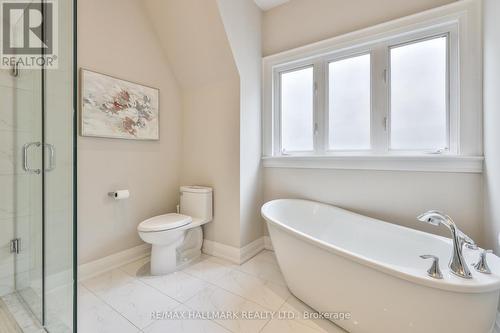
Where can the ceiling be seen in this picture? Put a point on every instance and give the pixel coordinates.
(268, 4)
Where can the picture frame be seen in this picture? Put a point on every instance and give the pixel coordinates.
(115, 108)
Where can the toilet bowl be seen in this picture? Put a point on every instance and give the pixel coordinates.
(176, 239)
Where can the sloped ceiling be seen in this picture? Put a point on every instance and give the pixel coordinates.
(269, 4)
(193, 37)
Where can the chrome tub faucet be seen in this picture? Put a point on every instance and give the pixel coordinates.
(457, 263)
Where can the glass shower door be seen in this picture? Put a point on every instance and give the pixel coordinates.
(27, 191)
(37, 149)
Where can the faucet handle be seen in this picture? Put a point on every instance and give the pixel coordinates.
(471, 246)
(434, 271)
(482, 266)
(469, 242)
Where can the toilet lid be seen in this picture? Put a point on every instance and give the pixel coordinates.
(164, 222)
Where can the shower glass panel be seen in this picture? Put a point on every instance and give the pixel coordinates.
(37, 183)
(59, 132)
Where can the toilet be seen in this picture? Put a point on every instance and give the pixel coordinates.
(176, 238)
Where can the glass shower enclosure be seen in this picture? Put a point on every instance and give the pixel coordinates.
(37, 168)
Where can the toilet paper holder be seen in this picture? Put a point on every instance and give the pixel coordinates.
(119, 194)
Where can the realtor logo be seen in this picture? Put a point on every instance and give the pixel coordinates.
(29, 34)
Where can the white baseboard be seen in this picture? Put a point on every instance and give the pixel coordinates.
(220, 250)
(234, 254)
(252, 249)
(102, 265)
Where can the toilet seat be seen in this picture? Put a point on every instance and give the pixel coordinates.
(164, 222)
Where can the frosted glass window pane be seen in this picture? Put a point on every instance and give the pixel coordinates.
(349, 103)
(297, 110)
(419, 95)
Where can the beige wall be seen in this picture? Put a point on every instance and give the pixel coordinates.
(491, 122)
(301, 22)
(193, 37)
(115, 37)
(392, 196)
(242, 21)
(211, 153)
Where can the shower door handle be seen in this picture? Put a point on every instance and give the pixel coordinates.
(26, 163)
(52, 157)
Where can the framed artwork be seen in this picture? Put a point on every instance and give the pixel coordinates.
(115, 108)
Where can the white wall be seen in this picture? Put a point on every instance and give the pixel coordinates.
(115, 37)
(392, 196)
(242, 21)
(301, 22)
(491, 107)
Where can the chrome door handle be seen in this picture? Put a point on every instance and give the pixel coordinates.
(26, 163)
(52, 156)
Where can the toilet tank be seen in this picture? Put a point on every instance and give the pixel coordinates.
(196, 201)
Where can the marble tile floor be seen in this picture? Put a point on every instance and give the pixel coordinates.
(128, 299)
(58, 318)
(7, 322)
(25, 321)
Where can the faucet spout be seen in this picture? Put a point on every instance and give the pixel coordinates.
(457, 263)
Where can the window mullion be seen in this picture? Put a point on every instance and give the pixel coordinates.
(320, 106)
(276, 110)
(380, 100)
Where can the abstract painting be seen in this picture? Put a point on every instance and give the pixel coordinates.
(115, 108)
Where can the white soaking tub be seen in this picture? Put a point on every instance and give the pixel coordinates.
(338, 261)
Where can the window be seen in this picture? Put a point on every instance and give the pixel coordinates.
(403, 95)
(349, 104)
(395, 95)
(419, 95)
(336, 103)
(325, 105)
(297, 110)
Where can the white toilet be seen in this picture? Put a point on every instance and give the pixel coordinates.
(176, 239)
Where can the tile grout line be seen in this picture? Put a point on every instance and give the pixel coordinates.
(109, 305)
(181, 303)
(150, 286)
(265, 325)
(295, 320)
(213, 321)
(232, 293)
(264, 306)
(229, 268)
(281, 306)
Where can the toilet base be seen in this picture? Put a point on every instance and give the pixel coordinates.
(166, 259)
(163, 259)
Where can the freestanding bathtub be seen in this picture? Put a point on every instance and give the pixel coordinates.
(341, 262)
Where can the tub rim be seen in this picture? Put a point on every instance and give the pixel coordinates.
(480, 283)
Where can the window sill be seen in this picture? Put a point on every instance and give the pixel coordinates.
(429, 163)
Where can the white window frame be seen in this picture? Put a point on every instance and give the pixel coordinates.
(452, 86)
(277, 107)
(459, 22)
